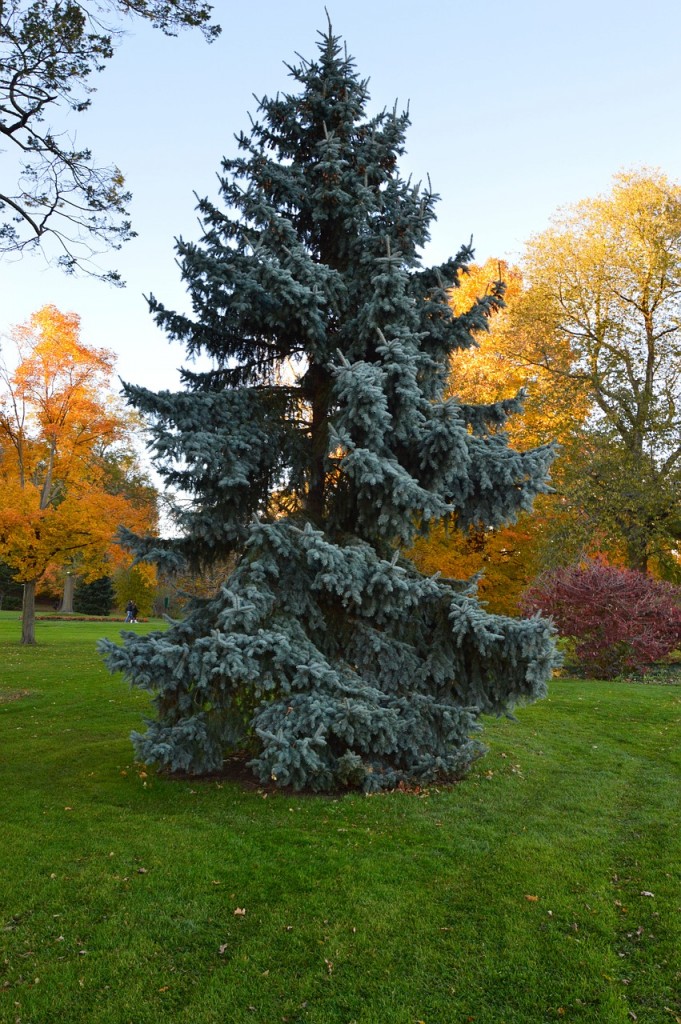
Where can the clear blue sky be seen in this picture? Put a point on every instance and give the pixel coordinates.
(517, 109)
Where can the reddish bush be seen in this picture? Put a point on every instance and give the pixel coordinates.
(621, 620)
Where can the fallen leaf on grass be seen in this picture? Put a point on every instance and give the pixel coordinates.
(222, 948)
(532, 899)
(164, 988)
(329, 965)
(240, 912)
(644, 893)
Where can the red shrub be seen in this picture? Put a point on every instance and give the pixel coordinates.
(622, 620)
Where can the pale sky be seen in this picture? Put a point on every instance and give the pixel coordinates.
(517, 109)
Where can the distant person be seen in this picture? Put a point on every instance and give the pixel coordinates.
(135, 612)
(130, 611)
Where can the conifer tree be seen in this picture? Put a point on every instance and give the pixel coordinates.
(95, 598)
(315, 450)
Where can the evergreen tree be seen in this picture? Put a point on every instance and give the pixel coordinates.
(315, 449)
(10, 590)
(94, 598)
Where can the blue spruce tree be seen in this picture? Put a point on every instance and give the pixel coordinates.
(314, 450)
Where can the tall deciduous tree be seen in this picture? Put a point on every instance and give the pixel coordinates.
(115, 462)
(605, 280)
(325, 649)
(501, 365)
(506, 360)
(54, 191)
(55, 506)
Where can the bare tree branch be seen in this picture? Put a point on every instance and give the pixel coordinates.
(49, 51)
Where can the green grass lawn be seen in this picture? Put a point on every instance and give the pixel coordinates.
(545, 887)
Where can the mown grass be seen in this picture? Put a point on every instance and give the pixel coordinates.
(516, 896)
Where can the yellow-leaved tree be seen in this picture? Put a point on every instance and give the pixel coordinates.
(60, 427)
(604, 281)
(504, 363)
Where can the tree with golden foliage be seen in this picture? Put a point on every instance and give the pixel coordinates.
(504, 363)
(604, 283)
(58, 422)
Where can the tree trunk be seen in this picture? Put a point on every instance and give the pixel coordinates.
(66, 605)
(637, 552)
(318, 389)
(28, 613)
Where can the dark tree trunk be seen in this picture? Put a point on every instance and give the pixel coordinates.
(318, 388)
(637, 552)
(28, 614)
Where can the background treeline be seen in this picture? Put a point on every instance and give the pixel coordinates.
(590, 335)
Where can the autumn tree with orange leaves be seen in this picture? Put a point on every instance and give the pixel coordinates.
(60, 429)
(502, 364)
